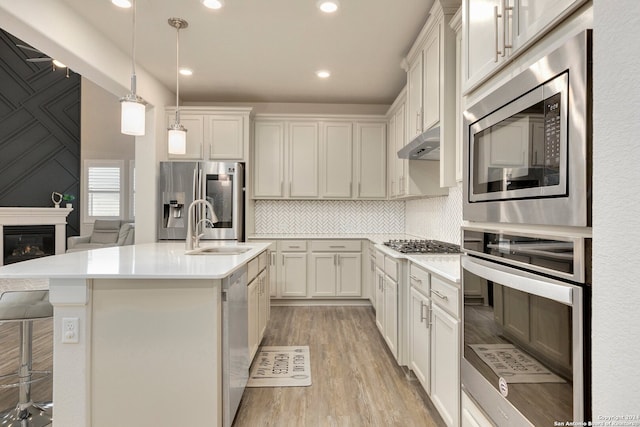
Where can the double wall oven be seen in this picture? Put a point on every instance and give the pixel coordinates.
(526, 244)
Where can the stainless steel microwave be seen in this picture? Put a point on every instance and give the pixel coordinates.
(527, 145)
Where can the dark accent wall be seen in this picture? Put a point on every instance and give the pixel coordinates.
(39, 131)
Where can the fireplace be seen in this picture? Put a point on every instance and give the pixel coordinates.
(24, 242)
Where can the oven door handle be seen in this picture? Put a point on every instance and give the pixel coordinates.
(521, 280)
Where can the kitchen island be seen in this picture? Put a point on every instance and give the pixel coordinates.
(147, 346)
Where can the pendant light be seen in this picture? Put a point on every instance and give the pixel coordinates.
(177, 133)
(132, 107)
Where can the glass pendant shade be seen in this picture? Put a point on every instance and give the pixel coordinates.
(132, 116)
(177, 139)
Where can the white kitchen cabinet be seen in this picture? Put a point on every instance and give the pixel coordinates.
(264, 303)
(348, 275)
(303, 159)
(225, 135)
(414, 98)
(380, 311)
(400, 140)
(293, 274)
(273, 272)
(445, 372)
(391, 315)
(371, 153)
(431, 78)
(336, 159)
(496, 31)
(323, 274)
(456, 26)
(269, 163)
(335, 268)
(420, 337)
(253, 302)
(395, 141)
(471, 415)
(371, 279)
(194, 123)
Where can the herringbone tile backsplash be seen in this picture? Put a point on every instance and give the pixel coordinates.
(329, 216)
(437, 218)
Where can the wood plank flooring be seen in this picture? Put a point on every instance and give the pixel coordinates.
(356, 381)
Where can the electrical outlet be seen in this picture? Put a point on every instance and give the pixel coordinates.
(70, 330)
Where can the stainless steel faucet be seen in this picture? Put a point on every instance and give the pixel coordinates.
(193, 239)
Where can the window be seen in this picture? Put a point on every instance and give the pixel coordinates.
(132, 189)
(103, 188)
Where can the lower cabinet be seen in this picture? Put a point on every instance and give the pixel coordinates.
(445, 373)
(253, 301)
(379, 278)
(264, 303)
(292, 274)
(391, 315)
(335, 274)
(258, 302)
(420, 337)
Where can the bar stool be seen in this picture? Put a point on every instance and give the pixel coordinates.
(25, 307)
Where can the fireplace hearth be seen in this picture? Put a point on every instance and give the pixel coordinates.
(25, 242)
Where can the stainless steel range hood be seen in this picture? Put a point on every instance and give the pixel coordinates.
(425, 146)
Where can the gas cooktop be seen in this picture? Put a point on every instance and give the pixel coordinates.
(423, 247)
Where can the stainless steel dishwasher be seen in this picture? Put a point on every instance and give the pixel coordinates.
(235, 343)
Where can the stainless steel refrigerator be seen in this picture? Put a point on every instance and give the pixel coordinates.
(221, 183)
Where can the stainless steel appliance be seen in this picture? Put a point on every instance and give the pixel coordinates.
(235, 343)
(423, 246)
(526, 347)
(527, 145)
(221, 183)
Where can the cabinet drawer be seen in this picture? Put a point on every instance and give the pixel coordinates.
(293, 245)
(252, 269)
(445, 295)
(391, 268)
(262, 261)
(380, 260)
(336, 246)
(419, 279)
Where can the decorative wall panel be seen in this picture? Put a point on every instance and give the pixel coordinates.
(437, 218)
(329, 216)
(39, 131)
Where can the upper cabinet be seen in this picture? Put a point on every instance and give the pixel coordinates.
(317, 158)
(213, 133)
(496, 31)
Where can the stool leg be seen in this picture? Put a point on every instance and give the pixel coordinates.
(26, 414)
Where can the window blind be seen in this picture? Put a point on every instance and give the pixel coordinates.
(103, 191)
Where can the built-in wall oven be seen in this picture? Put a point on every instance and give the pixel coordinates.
(526, 345)
(527, 150)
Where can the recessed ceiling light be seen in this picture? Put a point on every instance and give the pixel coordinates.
(328, 6)
(186, 71)
(122, 3)
(323, 74)
(58, 64)
(213, 4)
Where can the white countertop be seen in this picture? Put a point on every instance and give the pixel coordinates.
(445, 265)
(144, 261)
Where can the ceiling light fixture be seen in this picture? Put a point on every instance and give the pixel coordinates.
(186, 71)
(213, 4)
(323, 74)
(328, 6)
(177, 133)
(122, 3)
(132, 107)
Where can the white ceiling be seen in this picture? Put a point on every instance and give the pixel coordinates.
(269, 50)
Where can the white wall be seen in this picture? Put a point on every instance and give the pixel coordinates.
(53, 27)
(616, 209)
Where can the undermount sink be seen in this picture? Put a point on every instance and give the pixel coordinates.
(219, 250)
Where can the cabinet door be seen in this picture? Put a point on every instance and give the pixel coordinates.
(391, 157)
(380, 300)
(373, 282)
(400, 140)
(419, 338)
(414, 99)
(269, 160)
(263, 304)
(294, 275)
(372, 154)
(349, 274)
(445, 355)
(480, 39)
(225, 137)
(391, 315)
(337, 159)
(323, 274)
(303, 159)
(431, 65)
(530, 18)
(253, 309)
(273, 276)
(195, 135)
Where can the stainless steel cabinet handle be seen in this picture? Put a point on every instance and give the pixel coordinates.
(295, 247)
(282, 259)
(338, 246)
(496, 15)
(421, 312)
(359, 189)
(273, 258)
(505, 26)
(439, 295)
(290, 186)
(282, 188)
(412, 277)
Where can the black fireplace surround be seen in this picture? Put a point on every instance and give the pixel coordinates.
(24, 242)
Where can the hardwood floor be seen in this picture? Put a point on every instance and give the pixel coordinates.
(9, 360)
(356, 381)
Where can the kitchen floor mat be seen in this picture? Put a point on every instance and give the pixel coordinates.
(514, 365)
(287, 366)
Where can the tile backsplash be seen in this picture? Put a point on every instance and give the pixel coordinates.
(437, 218)
(329, 216)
